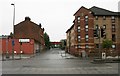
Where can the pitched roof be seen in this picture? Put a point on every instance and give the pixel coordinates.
(101, 11)
(70, 28)
(80, 8)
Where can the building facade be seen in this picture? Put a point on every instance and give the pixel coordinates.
(17, 48)
(81, 33)
(30, 30)
(26, 39)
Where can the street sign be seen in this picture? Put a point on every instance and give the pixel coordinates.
(13, 43)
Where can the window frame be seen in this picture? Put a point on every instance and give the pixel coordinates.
(113, 28)
(78, 18)
(112, 17)
(96, 17)
(86, 46)
(104, 26)
(104, 17)
(79, 37)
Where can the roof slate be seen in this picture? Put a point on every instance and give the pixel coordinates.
(101, 11)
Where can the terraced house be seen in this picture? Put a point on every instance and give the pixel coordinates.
(80, 36)
(27, 39)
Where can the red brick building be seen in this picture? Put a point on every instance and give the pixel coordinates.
(30, 30)
(80, 36)
(27, 47)
(27, 39)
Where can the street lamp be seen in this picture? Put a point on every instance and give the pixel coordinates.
(13, 16)
(13, 30)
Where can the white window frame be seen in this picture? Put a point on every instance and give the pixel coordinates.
(78, 27)
(79, 37)
(78, 18)
(78, 30)
(86, 36)
(113, 46)
(79, 40)
(86, 17)
(104, 17)
(86, 26)
(79, 46)
(86, 46)
(113, 17)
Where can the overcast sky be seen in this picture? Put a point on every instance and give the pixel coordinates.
(56, 16)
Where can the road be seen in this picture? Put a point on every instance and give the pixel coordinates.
(51, 62)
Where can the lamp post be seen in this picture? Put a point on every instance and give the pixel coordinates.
(13, 16)
(13, 30)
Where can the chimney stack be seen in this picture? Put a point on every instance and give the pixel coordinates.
(27, 18)
(40, 25)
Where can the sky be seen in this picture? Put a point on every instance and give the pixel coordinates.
(56, 16)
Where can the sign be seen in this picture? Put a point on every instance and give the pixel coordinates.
(13, 43)
(103, 55)
(24, 40)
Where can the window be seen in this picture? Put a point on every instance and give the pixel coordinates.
(78, 27)
(78, 36)
(78, 40)
(96, 26)
(78, 46)
(86, 37)
(113, 46)
(86, 26)
(78, 18)
(96, 17)
(113, 27)
(78, 21)
(104, 18)
(86, 19)
(113, 37)
(86, 46)
(86, 30)
(78, 30)
(113, 17)
(104, 26)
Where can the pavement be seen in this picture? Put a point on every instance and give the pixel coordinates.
(55, 61)
(66, 55)
(16, 57)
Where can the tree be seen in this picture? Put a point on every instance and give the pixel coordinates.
(47, 40)
(107, 44)
(11, 35)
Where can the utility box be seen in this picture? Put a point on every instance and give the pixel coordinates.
(83, 54)
(103, 55)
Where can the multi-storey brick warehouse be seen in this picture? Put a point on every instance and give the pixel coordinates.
(80, 36)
